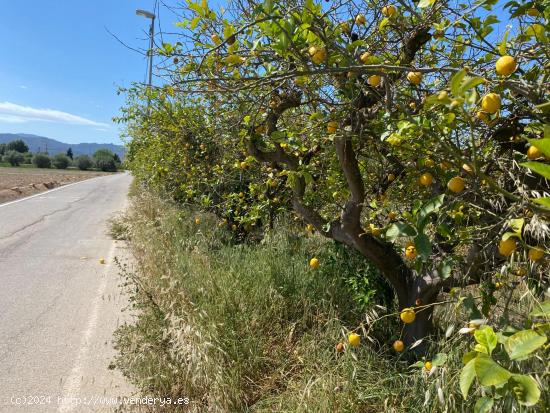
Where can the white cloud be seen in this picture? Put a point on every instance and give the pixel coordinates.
(23, 87)
(13, 113)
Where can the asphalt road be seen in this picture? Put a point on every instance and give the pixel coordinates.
(58, 304)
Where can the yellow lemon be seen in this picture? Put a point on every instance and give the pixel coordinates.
(533, 12)
(428, 365)
(414, 77)
(216, 39)
(507, 247)
(407, 315)
(375, 231)
(389, 11)
(533, 152)
(442, 95)
(360, 19)
(398, 346)
(354, 339)
(314, 263)
(491, 103)
(197, 221)
(535, 254)
(319, 56)
(102, 260)
(426, 179)
(456, 184)
(374, 80)
(339, 347)
(391, 177)
(468, 168)
(410, 251)
(332, 127)
(310, 228)
(392, 215)
(428, 163)
(506, 65)
(365, 57)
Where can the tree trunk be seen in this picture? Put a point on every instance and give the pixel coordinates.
(419, 330)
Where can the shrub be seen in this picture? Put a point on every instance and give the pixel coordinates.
(106, 164)
(61, 161)
(14, 158)
(17, 145)
(104, 160)
(41, 160)
(83, 162)
(27, 158)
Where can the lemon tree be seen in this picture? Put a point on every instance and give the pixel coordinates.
(402, 131)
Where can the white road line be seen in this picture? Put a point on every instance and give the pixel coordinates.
(71, 388)
(51, 190)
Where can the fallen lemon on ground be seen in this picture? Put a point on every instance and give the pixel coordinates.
(428, 365)
(535, 254)
(391, 177)
(197, 221)
(354, 339)
(314, 263)
(102, 260)
(491, 103)
(506, 65)
(507, 247)
(410, 251)
(398, 346)
(339, 347)
(392, 215)
(456, 184)
(407, 315)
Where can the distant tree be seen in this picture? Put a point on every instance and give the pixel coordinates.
(17, 145)
(117, 159)
(61, 161)
(84, 162)
(104, 160)
(14, 158)
(2, 148)
(70, 153)
(41, 160)
(27, 158)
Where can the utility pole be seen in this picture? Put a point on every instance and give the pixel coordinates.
(151, 16)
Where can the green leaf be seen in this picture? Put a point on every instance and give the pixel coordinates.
(541, 310)
(456, 81)
(542, 144)
(526, 389)
(545, 202)
(470, 305)
(502, 46)
(484, 405)
(425, 3)
(399, 229)
(543, 107)
(432, 205)
(469, 356)
(383, 23)
(523, 343)
(488, 372)
(423, 246)
(445, 268)
(540, 168)
(516, 224)
(418, 364)
(467, 375)
(471, 82)
(486, 340)
(439, 359)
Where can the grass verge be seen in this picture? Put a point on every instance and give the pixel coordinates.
(239, 328)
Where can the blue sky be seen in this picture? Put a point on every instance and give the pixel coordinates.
(61, 69)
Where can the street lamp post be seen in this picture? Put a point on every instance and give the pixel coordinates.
(151, 16)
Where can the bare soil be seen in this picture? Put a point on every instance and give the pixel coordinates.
(21, 182)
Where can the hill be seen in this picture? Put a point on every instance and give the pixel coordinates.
(53, 147)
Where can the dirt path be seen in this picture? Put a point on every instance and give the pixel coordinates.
(21, 182)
